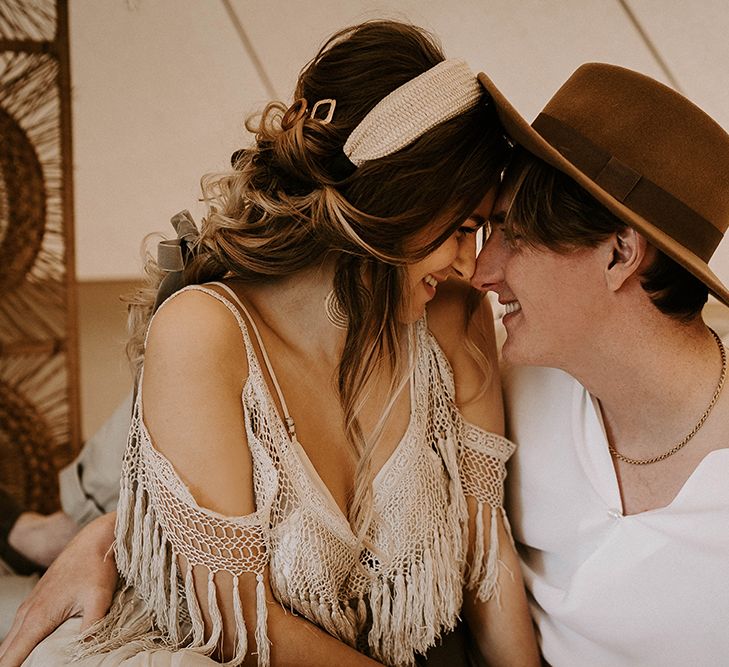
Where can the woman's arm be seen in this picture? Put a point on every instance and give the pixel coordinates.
(66, 590)
(195, 368)
(194, 375)
(501, 624)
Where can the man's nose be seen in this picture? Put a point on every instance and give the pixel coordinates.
(489, 267)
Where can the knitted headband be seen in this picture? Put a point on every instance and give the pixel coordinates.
(408, 112)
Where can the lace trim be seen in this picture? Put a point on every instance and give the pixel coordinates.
(483, 472)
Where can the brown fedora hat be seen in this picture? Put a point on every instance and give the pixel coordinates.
(645, 152)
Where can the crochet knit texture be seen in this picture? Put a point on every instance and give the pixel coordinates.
(408, 112)
(390, 602)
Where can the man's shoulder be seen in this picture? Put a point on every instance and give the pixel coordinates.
(537, 401)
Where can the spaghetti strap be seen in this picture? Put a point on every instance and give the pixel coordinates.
(290, 426)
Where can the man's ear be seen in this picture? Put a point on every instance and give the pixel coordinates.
(624, 253)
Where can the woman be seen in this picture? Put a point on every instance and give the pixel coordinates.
(358, 483)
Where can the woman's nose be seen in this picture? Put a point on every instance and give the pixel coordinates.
(465, 262)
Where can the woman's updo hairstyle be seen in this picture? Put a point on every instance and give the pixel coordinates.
(293, 200)
(293, 173)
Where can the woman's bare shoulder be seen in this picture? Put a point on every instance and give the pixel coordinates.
(196, 332)
(195, 369)
(462, 322)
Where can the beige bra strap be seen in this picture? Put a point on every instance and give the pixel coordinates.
(287, 417)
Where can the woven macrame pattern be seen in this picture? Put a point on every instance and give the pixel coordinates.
(390, 600)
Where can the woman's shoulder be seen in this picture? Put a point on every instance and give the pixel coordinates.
(195, 370)
(198, 317)
(461, 320)
(196, 333)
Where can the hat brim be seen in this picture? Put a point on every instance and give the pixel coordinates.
(523, 134)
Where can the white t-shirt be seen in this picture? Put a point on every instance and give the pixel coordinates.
(651, 589)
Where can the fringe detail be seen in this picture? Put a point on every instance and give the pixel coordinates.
(241, 646)
(351, 621)
(147, 561)
(159, 567)
(478, 549)
(507, 527)
(126, 623)
(306, 609)
(410, 607)
(344, 626)
(490, 584)
(385, 618)
(172, 618)
(401, 601)
(123, 514)
(427, 574)
(324, 614)
(215, 618)
(486, 567)
(193, 606)
(136, 546)
(262, 644)
(376, 609)
(147, 613)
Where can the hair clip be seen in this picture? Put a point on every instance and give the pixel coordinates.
(294, 113)
(328, 118)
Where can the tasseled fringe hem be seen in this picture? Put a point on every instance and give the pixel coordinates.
(147, 614)
(262, 643)
(126, 623)
(411, 610)
(483, 574)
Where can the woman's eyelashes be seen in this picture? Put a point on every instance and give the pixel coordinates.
(473, 225)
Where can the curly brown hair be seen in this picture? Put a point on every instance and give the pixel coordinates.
(286, 205)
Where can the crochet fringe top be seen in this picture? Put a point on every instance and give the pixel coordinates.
(390, 603)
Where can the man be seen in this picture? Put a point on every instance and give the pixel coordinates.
(618, 492)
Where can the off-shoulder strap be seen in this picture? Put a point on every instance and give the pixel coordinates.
(290, 426)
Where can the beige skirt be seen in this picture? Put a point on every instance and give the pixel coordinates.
(56, 650)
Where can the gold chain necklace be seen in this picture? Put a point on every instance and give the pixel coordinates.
(695, 429)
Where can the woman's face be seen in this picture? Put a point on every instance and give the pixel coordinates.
(455, 256)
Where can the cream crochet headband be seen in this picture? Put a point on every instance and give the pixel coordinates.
(408, 112)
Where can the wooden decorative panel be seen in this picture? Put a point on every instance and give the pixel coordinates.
(39, 412)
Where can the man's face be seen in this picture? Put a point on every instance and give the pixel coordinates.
(552, 300)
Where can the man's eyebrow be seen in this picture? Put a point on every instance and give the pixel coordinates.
(478, 219)
(498, 218)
